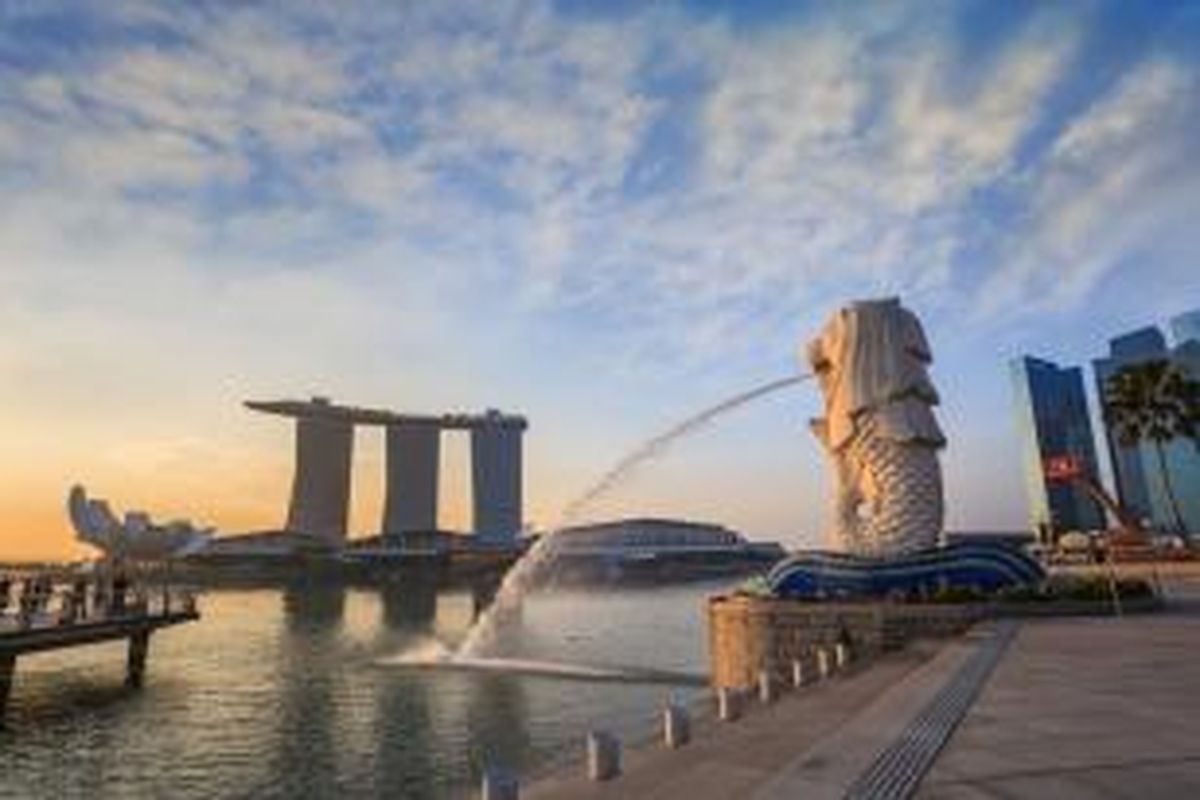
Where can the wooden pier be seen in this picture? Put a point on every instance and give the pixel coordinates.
(48, 632)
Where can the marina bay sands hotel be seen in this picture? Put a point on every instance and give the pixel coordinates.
(320, 498)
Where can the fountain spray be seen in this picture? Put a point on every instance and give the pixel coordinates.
(522, 576)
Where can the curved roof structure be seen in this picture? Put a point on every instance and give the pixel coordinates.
(136, 537)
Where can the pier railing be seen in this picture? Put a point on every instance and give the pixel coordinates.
(44, 611)
(46, 600)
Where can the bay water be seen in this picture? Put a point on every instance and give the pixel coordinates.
(288, 692)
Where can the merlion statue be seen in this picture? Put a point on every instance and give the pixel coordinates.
(871, 359)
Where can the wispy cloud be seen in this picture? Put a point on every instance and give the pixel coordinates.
(285, 189)
(512, 136)
(1116, 184)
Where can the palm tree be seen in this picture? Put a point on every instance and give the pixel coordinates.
(1154, 401)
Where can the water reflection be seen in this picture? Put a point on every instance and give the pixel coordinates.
(313, 605)
(410, 602)
(280, 692)
(307, 713)
(403, 726)
(497, 722)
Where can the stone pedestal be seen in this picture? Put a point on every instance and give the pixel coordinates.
(750, 634)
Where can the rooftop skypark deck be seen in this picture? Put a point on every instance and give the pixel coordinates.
(322, 408)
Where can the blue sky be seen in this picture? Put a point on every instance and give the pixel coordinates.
(602, 214)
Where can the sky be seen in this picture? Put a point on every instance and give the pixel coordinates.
(603, 215)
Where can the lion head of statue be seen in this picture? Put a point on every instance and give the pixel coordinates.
(872, 358)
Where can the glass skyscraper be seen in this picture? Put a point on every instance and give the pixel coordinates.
(1186, 328)
(1052, 420)
(1138, 471)
(1129, 463)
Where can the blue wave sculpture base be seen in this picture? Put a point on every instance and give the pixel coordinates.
(819, 574)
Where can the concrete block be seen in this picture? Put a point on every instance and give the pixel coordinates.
(798, 673)
(768, 689)
(824, 663)
(677, 726)
(499, 784)
(603, 756)
(729, 704)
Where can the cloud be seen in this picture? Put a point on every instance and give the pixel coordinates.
(511, 137)
(669, 172)
(1121, 118)
(1115, 184)
(395, 199)
(944, 144)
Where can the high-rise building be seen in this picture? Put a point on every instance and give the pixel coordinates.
(1186, 327)
(1052, 420)
(413, 464)
(496, 469)
(324, 449)
(1128, 463)
(1142, 474)
(321, 484)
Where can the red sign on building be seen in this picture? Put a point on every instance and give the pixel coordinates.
(1063, 468)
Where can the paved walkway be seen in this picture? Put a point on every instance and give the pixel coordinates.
(1075, 708)
(726, 760)
(810, 743)
(1085, 708)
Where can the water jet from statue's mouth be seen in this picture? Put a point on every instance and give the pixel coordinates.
(531, 567)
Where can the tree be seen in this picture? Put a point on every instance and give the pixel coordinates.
(1154, 401)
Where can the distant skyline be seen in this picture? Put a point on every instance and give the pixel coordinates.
(604, 216)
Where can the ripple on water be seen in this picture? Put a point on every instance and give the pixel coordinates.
(278, 695)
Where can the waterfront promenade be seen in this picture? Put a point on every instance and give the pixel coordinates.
(1086, 708)
(1074, 707)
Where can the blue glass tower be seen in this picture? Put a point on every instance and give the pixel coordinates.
(1186, 328)
(1129, 463)
(1142, 477)
(1052, 420)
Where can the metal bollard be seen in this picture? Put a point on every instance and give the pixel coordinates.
(499, 784)
(729, 704)
(841, 656)
(797, 673)
(823, 665)
(677, 727)
(767, 689)
(604, 756)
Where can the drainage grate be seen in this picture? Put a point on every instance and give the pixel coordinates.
(898, 770)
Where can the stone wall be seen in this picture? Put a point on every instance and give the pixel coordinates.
(748, 634)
